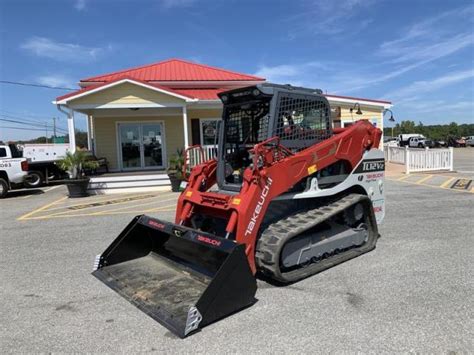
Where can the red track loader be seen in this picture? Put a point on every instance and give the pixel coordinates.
(288, 196)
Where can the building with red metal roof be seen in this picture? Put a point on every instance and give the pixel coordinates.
(138, 118)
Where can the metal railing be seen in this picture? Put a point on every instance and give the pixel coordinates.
(195, 157)
(416, 160)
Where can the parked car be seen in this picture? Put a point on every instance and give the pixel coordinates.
(470, 141)
(403, 139)
(420, 142)
(13, 168)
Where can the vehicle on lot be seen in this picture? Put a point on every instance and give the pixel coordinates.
(42, 160)
(288, 196)
(456, 142)
(420, 142)
(13, 168)
(470, 141)
(439, 143)
(404, 139)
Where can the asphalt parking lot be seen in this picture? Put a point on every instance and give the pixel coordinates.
(414, 293)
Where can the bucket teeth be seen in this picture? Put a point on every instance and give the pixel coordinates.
(194, 318)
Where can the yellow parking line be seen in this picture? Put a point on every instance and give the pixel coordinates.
(95, 215)
(108, 198)
(447, 182)
(142, 204)
(115, 204)
(403, 177)
(419, 182)
(433, 186)
(41, 209)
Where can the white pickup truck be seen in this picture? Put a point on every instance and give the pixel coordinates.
(13, 168)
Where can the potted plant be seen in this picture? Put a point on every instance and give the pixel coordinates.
(175, 170)
(74, 164)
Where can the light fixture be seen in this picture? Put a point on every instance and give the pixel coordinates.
(358, 112)
(391, 119)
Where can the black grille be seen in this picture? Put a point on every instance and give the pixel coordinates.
(247, 123)
(302, 121)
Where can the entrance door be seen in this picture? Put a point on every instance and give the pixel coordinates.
(153, 141)
(141, 145)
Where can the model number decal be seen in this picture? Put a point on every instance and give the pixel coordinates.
(371, 165)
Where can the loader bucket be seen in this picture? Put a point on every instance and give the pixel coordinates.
(182, 278)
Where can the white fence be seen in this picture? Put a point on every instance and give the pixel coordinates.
(195, 158)
(420, 159)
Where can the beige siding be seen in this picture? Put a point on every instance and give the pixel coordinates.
(127, 93)
(106, 135)
(368, 113)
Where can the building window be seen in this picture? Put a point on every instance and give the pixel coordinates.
(208, 131)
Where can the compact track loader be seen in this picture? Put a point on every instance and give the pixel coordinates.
(288, 196)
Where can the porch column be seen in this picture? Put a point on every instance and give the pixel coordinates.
(185, 124)
(72, 131)
(89, 136)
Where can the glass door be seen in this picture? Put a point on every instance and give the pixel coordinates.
(130, 146)
(153, 141)
(142, 145)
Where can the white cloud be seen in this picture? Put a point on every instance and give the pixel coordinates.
(80, 5)
(302, 74)
(330, 17)
(56, 80)
(48, 48)
(426, 86)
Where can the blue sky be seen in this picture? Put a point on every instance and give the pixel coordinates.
(418, 54)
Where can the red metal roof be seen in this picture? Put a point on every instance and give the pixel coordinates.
(175, 70)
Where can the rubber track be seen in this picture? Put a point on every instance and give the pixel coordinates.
(274, 237)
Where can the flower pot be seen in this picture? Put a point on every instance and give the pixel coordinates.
(78, 187)
(175, 182)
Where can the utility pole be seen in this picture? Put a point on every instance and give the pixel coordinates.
(54, 127)
(46, 129)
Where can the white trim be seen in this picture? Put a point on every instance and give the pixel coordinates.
(140, 133)
(89, 138)
(119, 82)
(109, 105)
(185, 127)
(361, 102)
(72, 131)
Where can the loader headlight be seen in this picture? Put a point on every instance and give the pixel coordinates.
(224, 98)
(255, 92)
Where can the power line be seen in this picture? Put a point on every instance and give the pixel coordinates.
(35, 85)
(25, 121)
(23, 128)
(30, 115)
(44, 126)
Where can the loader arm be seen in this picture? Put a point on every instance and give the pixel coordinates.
(279, 171)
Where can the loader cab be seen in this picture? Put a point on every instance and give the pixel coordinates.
(300, 117)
